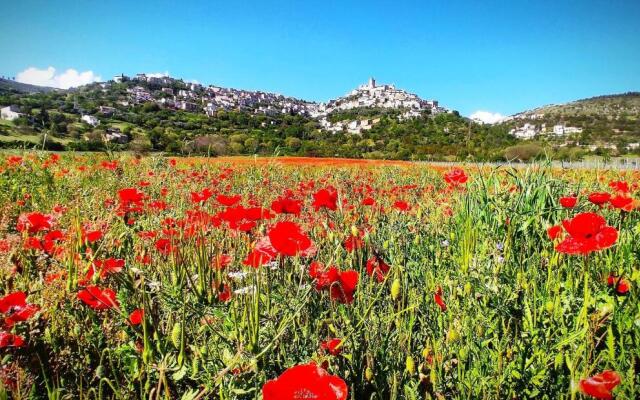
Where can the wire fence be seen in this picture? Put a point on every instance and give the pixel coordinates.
(617, 164)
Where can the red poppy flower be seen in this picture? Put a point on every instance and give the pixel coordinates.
(287, 205)
(109, 266)
(554, 232)
(33, 243)
(91, 236)
(600, 385)
(368, 201)
(332, 346)
(401, 205)
(599, 198)
(98, 299)
(326, 198)
(221, 261)
(13, 160)
(130, 200)
(109, 165)
(34, 222)
(136, 317)
(323, 276)
(343, 289)
(622, 203)
(289, 239)
(455, 177)
(437, 297)
(568, 202)
(262, 253)
(619, 186)
(621, 284)
(228, 201)
(204, 195)
(377, 268)
(243, 219)
(130, 195)
(15, 308)
(256, 259)
(308, 381)
(164, 246)
(10, 340)
(224, 294)
(353, 243)
(588, 232)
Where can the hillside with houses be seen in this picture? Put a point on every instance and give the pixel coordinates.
(147, 112)
(605, 124)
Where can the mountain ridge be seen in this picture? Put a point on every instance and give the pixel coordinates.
(12, 85)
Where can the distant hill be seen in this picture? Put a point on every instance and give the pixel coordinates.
(610, 121)
(148, 113)
(7, 85)
(613, 105)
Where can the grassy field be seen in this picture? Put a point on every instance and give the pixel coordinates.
(242, 278)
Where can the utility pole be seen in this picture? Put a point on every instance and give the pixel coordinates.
(44, 139)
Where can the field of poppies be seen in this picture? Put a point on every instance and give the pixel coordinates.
(161, 278)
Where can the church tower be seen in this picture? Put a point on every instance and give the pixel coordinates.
(372, 83)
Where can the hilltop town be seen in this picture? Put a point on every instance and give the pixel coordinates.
(176, 94)
(151, 112)
(368, 96)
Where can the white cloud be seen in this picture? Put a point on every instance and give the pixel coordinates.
(157, 74)
(64, 80)
(487, 117)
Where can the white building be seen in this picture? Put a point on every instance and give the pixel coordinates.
(91, 120)
(560, 130)
(10, 113)
(107, 111)
(114, 135)
(528, 131)
(210, 109)
(572, 129)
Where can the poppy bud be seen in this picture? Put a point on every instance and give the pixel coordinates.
(452, 236)
(385, 245)
(452, 335)
(368, 374)
(467, 288)
(410, 365)
(426, 352)
(194, 366)
(549, 306)
(395, 289)
(559, 360)
(176, 334)
(463, 353)
(354, 231)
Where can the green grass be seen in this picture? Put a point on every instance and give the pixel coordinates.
(522, 320)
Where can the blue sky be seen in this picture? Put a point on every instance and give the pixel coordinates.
(498, 56)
